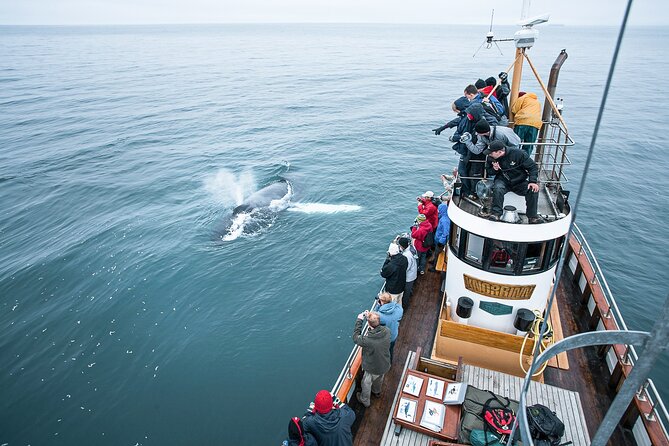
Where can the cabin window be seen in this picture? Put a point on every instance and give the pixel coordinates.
(502, 256)
(534, 257)
(557, 249)
(474, 249)
(455, 238)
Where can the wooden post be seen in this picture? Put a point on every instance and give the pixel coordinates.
(515, 82)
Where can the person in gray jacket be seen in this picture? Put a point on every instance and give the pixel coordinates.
(487, 134)
(375, 355)
(412, 268)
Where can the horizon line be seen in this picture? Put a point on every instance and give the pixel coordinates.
(312, 23)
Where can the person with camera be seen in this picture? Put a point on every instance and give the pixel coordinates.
(515, 171)
(419, 233)
(394, 270)
(427, 208)
(375, 355)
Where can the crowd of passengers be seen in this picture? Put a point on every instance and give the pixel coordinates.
(482, 138)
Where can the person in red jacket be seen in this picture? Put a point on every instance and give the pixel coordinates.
(428, 209)
(418, 233)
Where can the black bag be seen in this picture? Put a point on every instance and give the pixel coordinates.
(545, 427)
(428, 242)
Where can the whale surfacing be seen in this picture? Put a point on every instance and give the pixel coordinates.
(258, 211)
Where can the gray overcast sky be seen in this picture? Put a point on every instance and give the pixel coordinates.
(507, 12)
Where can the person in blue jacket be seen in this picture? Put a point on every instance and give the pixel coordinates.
(390, 314)
(443, 228)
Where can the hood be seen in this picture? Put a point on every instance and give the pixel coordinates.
(462, 103)
(425, 224)
(389, 308)
(327, 422)
(530, 95)
(486, 91)
(476, 110)
(443, 209)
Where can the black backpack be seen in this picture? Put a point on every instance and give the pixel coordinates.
(428, 242)
(545, 427)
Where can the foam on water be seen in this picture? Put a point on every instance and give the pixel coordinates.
(323, 208)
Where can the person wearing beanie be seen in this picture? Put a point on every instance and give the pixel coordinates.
(375, 355)
(390, 314)
(330, 426)
(297, 436)
(394, 270)
(486, 134)
(479, 84)
(526, 113)
(458, 106)
(515, 171)
(419, 232)
(412, 268)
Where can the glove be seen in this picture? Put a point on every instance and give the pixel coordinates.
(438, 130)
(503, 76)
(454, 138)
(465, 137)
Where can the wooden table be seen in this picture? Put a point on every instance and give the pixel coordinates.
(449, 431)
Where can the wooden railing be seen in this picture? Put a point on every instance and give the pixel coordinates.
(605, 315)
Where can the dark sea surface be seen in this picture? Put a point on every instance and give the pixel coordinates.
(127, 320)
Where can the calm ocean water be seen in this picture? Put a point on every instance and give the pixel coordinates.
(125, 321)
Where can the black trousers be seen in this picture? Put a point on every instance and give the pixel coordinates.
(499, 188)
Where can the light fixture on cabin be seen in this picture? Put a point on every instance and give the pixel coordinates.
(510, 215)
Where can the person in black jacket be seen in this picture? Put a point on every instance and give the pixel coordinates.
(394, 270)
(329, 422)
(514, 171)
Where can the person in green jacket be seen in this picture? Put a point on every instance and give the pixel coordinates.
(375, 354)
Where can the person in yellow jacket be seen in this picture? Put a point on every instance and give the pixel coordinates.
(527, 119)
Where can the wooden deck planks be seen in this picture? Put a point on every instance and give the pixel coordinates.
(565, 403)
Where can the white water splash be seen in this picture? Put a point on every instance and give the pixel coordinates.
(323, 208)
(228, 188)
(237, 227)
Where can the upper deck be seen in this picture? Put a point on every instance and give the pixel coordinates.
(551, 158)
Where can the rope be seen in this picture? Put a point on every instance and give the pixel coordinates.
(544, 341)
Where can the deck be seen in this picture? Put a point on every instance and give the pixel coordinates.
(418, 327)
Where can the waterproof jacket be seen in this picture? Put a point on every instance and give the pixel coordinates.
(390, 315)
(477, 112)
(394, 270)
(493, 100)
(418, 235)
(516, 166)
(309, 440)
(375, 348)
(412, 269)
(444, 226)
(527, 111)
(332, 428)
(429, 210)
(497, 133)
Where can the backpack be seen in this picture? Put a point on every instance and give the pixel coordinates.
(428, 241)
(545, 427)
(498, 420)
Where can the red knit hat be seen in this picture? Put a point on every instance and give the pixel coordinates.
(323, 402)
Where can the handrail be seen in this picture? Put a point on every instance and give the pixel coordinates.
(653, 394)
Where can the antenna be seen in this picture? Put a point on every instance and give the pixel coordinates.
(490, 38)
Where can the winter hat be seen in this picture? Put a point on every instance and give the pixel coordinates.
(323, 402)
(393, 249)
(490, 81)
(461, 103)
(403, 242)
(482, 126)
(428, 194)
(479, 84)
(494, 146)
(295, 430)
(420, 217)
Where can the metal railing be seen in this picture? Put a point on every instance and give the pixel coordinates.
(647, 392)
